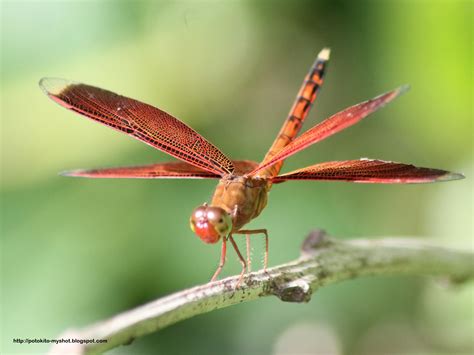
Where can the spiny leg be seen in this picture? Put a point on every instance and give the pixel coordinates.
(241, 259)
(249, 259)
(222, 261)
(256, 231)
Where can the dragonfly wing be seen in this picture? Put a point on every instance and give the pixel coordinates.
(244, 166)
(168, 170)
(139, 120)
(369, 171)
(332, 125)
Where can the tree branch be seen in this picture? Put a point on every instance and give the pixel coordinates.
(323, 261)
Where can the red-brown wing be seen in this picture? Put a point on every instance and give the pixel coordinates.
(369, 171)
(332, 125)
(168, 170)
(139, 120)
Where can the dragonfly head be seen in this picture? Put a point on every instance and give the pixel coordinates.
(210, 223)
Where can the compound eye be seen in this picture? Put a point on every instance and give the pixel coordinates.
(199, 212)
(220, 219)
(210, 223)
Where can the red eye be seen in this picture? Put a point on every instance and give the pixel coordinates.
(210, 223)
(205, 231)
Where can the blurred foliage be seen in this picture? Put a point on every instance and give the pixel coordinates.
(75, 251)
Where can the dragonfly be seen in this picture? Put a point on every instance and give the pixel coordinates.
(242, 191)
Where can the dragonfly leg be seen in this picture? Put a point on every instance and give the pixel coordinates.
(247, 236)
(222, 261)
(249, 259)
(241, 259)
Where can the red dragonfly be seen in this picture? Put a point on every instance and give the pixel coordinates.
(242, 191)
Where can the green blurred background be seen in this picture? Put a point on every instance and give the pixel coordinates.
(75, 251)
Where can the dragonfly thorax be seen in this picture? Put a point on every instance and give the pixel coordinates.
(210, 223)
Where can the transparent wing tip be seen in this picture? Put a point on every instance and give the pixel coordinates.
(53, 86)
(402, 89)
(450, 176)
(391, 95)
(73, 173)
